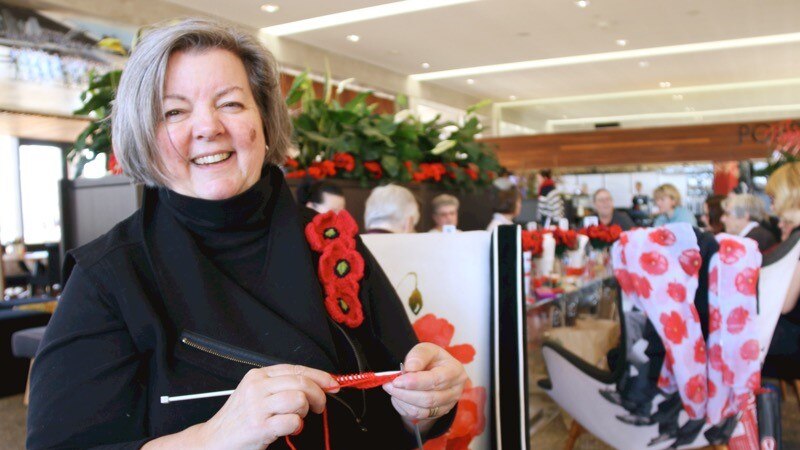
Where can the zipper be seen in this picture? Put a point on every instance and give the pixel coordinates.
(226, 351)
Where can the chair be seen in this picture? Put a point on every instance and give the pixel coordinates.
(583, 390)
(49, 276)
(25, 344)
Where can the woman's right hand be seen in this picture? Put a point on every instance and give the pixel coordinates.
(269, 403)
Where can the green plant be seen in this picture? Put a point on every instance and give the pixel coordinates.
(352, 141)
(97, 100)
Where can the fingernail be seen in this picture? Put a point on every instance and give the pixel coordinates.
(299, 429)
(399, 382)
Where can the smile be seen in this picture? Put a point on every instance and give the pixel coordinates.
(212, 159)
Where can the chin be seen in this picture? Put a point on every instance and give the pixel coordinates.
(218, 190)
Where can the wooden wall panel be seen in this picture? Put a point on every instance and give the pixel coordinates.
(719, 142)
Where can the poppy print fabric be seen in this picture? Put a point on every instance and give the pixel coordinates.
(657, 270)
(734, 370)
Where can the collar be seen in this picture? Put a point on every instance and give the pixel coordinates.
(748, 228)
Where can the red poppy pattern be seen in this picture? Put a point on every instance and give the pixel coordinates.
(657, 271)
(340, 267)
(734, 350)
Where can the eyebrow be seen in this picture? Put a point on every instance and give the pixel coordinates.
(219, 94)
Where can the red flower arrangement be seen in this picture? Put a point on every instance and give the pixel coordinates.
(532, 242)
(341, 267)
(602, 236)
(344, 161)
(565, 240)
(375, 170)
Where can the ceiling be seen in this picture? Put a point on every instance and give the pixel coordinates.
(488, 32)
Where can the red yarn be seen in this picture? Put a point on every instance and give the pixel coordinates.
(360, 381)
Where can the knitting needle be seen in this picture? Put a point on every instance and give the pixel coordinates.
(417, 434)
(165, 399)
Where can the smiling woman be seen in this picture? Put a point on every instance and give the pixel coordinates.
(212, 285)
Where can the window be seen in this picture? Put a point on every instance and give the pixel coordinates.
(29, 191)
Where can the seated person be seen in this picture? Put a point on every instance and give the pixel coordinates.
(668, 200)
(604, 205)
(742, 215)
(783, 357)
(391, 209)
(507, 206)
(321, 196)
(445, 212)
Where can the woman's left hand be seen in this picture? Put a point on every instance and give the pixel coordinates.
(431, 386)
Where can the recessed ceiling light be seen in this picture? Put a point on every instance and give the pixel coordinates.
(426, 66)
(636, 54)
(644, 64)
(582, 3)
(665, 84)
(353, 37)
(512, 97)
(470, 81)
(622, 42)
(358, 15)
(270, 8)
(677, 97)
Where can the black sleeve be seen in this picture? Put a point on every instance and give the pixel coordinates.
(625, 221)
(85, 388)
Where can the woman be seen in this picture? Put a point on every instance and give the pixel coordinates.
(507, 206)
(668, 200)
(211, 285)
(783, 358)
(551, 205)
(391, 209)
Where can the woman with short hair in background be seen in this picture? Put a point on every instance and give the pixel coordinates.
(668, 200)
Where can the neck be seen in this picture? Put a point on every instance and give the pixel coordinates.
(606, 218)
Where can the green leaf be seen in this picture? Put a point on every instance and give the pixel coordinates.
(100, 100)
(443, 146)
(391, 165)
(359, 100)
(479, 105)
(296, 90)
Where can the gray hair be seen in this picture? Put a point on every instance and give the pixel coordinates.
(390, 207)
(138, 109)
(443, 200)
(740, 204)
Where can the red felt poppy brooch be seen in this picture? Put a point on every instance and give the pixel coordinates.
(341, 267)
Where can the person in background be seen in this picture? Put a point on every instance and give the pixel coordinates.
(604, 205)
(711, 220)
(391, 209)
(641, 201)
(507, 205)
(551, 206)
(742, 215)
(321, 196)
(783, 357)
(445, 212)
(668, 200)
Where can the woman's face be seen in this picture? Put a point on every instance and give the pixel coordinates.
(211, 138)
(786, 226)
(665, 204)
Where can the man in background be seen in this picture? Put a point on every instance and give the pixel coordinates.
(606, 214)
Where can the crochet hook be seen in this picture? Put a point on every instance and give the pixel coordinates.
(165, 399)
(417, 434)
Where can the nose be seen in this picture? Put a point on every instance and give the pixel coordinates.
(206, 126)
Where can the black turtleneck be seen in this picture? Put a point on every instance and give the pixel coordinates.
(231, 233)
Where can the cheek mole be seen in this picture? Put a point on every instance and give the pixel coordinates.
(252, 135)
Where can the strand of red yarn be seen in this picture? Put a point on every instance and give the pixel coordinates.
(360, 381)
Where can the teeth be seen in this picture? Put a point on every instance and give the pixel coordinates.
(211, 159)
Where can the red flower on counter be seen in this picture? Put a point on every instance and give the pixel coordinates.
(342, 303)
(296, 174)
(690, 262)
(292, 163)
(737, 319)
(315, 172)
(340, 262)
(326, 168)
(601, 236)
(654, 263)
(472, 173)
(344, 161)
(532, 242)
(714, 320)
(750, 350)
(747, 281)
(662, 236)
(331, 227)
(674, 327)
(730, 251)
(375, 170)
(677, 292)
(696, 389)
(430, 328)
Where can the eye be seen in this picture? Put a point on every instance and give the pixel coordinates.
(233, 105)
(172, 114)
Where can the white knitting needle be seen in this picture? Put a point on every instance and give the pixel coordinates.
(179, 398)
